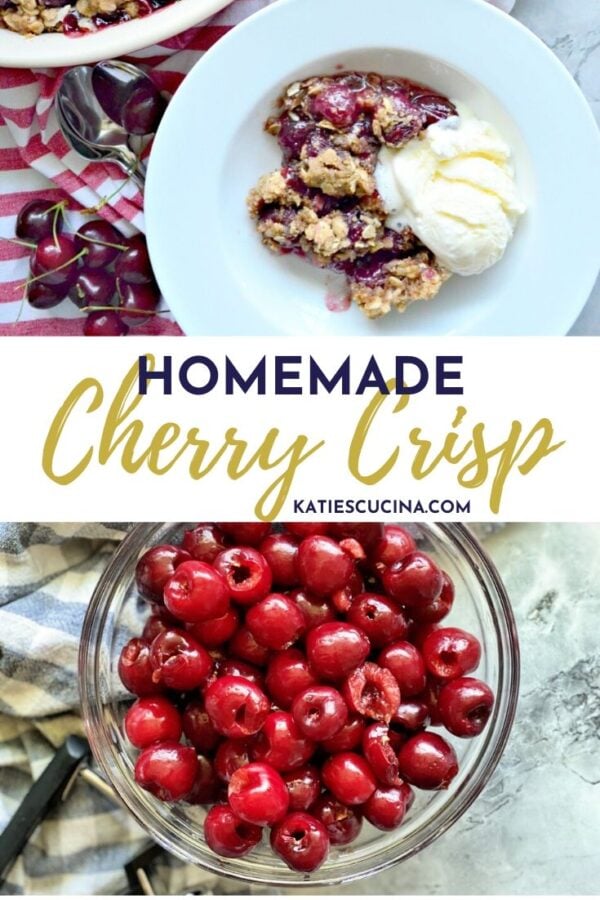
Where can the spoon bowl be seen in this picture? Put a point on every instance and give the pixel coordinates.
(87, 127)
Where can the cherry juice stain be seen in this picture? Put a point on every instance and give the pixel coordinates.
(337, 302)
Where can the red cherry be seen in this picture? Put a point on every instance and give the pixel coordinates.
(135, 668)
(276, 621)
(406, 665)
(439, 608)
(427, 761)
(349, 778)
(198, 727)
(304, 786)
(301, 841)
(335, 649)
(451, 653)
(280, 550)
(155, 567)
(380, 755)
(412, 715)
(316, 610)
(379, 618)
(244, 645)
(215, 632)
(228, 835)
(287, 675)
(231, 755)
(395, 544)
(319, 712)
(246, 572)
(196, 592)
(152, 719)
(237, 707)
(206, 787)
(322, 565)
(248, 534)
(179, 662)
(167, 770)
(257, 794)
(204, 542)
(385, 808)
(415, 581)
(282, 744)
(372, 692)
(307, 529)
(343, 824)
(465, 706)
(348, 737)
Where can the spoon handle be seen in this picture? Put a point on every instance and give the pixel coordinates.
(133, 166)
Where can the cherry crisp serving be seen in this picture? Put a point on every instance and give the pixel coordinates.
(31, 17)
(323, 203)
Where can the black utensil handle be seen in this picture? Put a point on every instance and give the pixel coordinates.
(41, 796)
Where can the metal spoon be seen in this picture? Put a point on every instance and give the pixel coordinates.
(88, 129)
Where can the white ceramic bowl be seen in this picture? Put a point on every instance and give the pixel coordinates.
(53, 50)
(211, 148)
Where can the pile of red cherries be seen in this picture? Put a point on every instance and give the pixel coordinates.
(104, 274)
(287, 678)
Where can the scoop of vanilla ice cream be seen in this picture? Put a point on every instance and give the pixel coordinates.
(455, 187)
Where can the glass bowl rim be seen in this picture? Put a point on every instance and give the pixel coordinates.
(494, 738)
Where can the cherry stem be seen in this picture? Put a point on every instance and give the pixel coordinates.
(121, 247)
(21, 243)
(91, 210)
(69, 262)
(59, 210)
(125, 312)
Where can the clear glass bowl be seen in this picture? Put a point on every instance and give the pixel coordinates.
(115, 614)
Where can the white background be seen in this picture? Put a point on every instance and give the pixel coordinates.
(503, 380)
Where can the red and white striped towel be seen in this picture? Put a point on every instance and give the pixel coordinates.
(35, 161)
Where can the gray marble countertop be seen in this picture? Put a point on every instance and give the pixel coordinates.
(535, 829)
(572, 29)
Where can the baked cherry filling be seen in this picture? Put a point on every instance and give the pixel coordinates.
(308, 706)
(323, 204)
